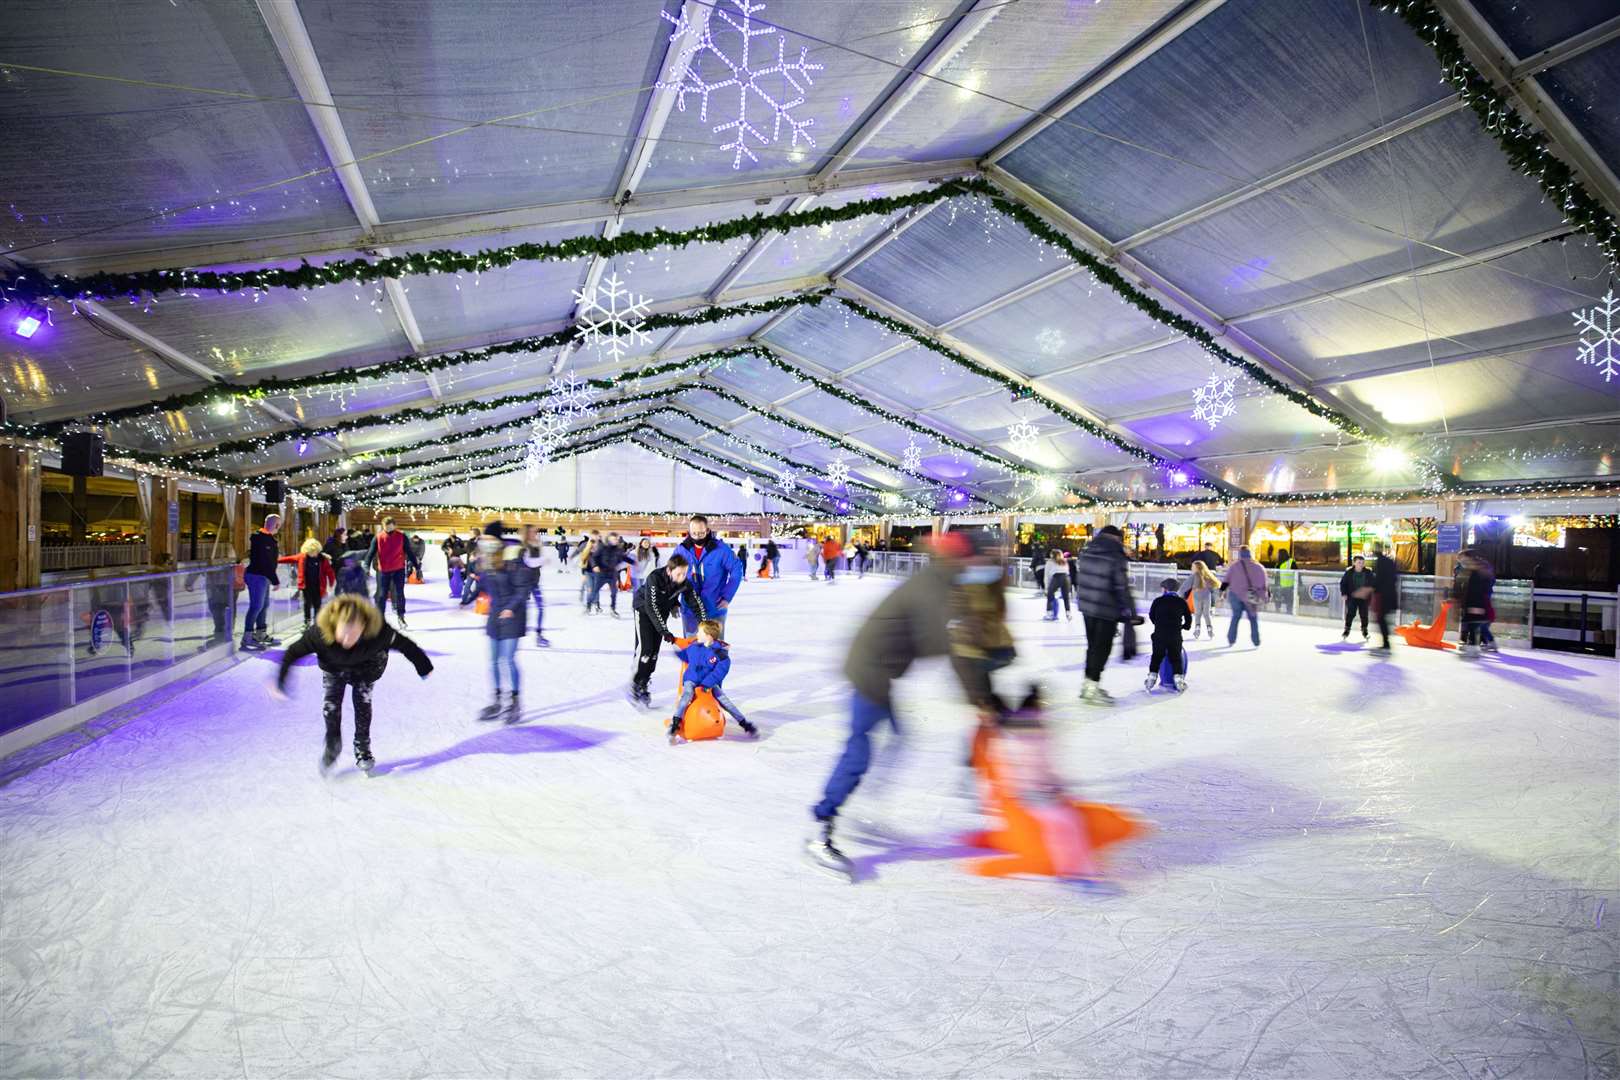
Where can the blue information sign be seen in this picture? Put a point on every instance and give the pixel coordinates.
(1450, 540)
(1319, 593)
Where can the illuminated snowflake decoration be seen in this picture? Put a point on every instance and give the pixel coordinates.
(1602, 336)
(611, 318)
(838, 472)
(1212, 402)
(1050, 341)
(569, 397)
(911, 457)
(748, 487)
(787, 481)
(537, 457)
(775, 89)
(1022, 437)
(546, 435)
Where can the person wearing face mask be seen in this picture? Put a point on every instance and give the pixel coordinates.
(952, 607)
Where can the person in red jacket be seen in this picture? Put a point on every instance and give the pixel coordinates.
(315, 573)
(390, 554)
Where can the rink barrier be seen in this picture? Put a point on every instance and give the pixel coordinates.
(69, 653)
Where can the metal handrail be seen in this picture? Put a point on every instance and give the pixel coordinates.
(195, 568)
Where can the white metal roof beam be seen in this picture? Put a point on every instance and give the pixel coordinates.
(761, 244)
(882, 240)
(1441, 361)
(1046, 281)
(1376, 137)
(1568, 49)
(1109, 73)
(1497, 63)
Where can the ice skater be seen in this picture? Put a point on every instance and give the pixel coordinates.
(261, 576)
(1385, 598)
(1356, 587)
(534, 558)
(1104, 598)
(1471, 588)
(708, 660)
(1169, 615)
(507, 582)
(716, 574)
(1246, 589)
(391, 554)
(351, 643)
(659, 594)
(1057, 581)
(315, 573)
(831, 551)
(912, 622)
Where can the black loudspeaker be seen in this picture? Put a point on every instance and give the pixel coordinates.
(81, 453)
(275, 492)
(334, 505)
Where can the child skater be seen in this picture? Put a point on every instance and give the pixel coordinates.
(708, 659)
(315, 573)
(1170, 617)
(351, 575)
(351, 643)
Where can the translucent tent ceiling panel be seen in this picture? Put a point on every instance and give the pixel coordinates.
(138, 166)
(70, 368)
(1348, 468)
(670, 273)
(722, 333)
(832, 335)
(1283, 69)
(496, 376)
(958, 256)
(189, 429)
(820, 249)
(1519, 298)
(710, 407)
(1059, 326)
(1489, 392)
(690, 152)
(1584, 89)
(1082, 451)
(1569, 450)
(1159, 378)
(325, 405)
(920, 378)
(1447, 182)
(1271, 423)
(563, 103)
(1145, 484)
(1527, 28)
(677, 427)
(829, 413)
(1027, 55)
(756, 380)
(985, 419)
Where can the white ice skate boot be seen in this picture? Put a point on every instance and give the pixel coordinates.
(1181, 683)
(1150, 682)
(1092, 693)
(824, 854)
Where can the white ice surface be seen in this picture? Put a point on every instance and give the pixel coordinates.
(1360, 869)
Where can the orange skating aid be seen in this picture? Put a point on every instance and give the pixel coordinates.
(626, 582)
(414, 578)
(1431, 636)
(1041, 842)
(765, 568)
(703, 718)
(481, 605)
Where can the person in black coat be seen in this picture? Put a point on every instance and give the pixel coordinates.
(351, 643)
(660, 593)
(604, 565)
(1386, 592)
(1169, 615)
(1356, 586)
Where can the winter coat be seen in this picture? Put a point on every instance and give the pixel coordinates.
(831, 552)
(335, 549)
(351, 576)
(322, 570)
(1471, 589)
(716, 574)
(772, 552)
(658, 596)
(264, 551)
(363, 663)
(1386, 583)
(1102, 590)
(607, 558)
(1354, 580)
(508, 590)
(706, 665)
(978, 624)
(1169, 615)
(911, 623)
(1246, 579)
(390, 551)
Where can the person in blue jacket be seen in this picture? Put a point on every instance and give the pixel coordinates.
(707, 660)
(716, 574)
(507, 582)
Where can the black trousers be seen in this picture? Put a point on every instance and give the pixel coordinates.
(1383, 624)
(1099, 643)
(332, 710)
(1351, 606)
(649, 639)
(1162, 647)
(312, 604)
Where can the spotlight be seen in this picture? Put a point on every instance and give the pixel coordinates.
(1389, 459)
(1179, 478)
(303, 446)
(1518, 521)
(225, 407)
(958, 496)
(1046, 486)
(842, 506)
(28, 323)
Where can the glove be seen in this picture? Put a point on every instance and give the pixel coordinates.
(669, 637)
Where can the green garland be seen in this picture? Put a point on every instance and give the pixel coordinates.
(562, 511)
(1528, 150)
(30, 287)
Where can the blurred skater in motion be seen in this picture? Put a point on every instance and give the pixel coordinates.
(1104, 597)
(831, 551)
(1169, 615)
(315, 573)
(773, 555)
(715, 574)
(862, 555)
(645, 562)
(351, 574)
(665, 589)
(606, 560)
(351, 643)
(1356, 587)
(507, 582)
(812, 556)
(1200, 589)
(1246, 590)
(914, 621)
(1057, 581)
(708, 661)
(583, 554)
(1386, 594)
(1471, 587)
(534, 560)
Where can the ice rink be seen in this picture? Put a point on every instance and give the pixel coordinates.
(1359, 868)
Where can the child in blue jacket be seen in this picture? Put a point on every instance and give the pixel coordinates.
(707, 662)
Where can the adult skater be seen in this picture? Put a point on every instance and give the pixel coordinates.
(583, 555)
(390, 554)
(1246, 590)
(716, 574)
(1057, 581)
(606, 559)
(812, 556)
(264, 552)
(666, 588)
(831, 551)
(337, 545)
(862, 554)
(1356, 587)
(1201, 588)
(1210, 558)
(1104, 599)
(507, 582)
(1386, 593)
(418, 549)
(773, 555)
(913, 622)
(645, 561)
(351, 643)
(1471, 589)
(534, 560)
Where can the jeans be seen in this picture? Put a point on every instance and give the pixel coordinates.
(864, 715)
(504, 651)
(585, 583)
(1241, 608)
(597, 582)
(776, 566)
(689, 691)
(391, 581)
(1352, 605)
(1057, 583)
(539, 611)
(1474, 631)
(830, 564)
(258, 609)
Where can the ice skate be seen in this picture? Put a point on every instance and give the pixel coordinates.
(328, 757)
(675, 737)
(492, 710)
(1150, 682)
(1048, 618)
(616, 615)
(363, 759)
(400, 619)
(264, 639)
(1181, 683)
(1068, 616)
(1490, 647)
(247, 645)
(639, 696)
(1468, 652)
(1345, 636)
(1092, 693)
(824, 854)
(749, 729)
(513, 712)
(540, 640)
